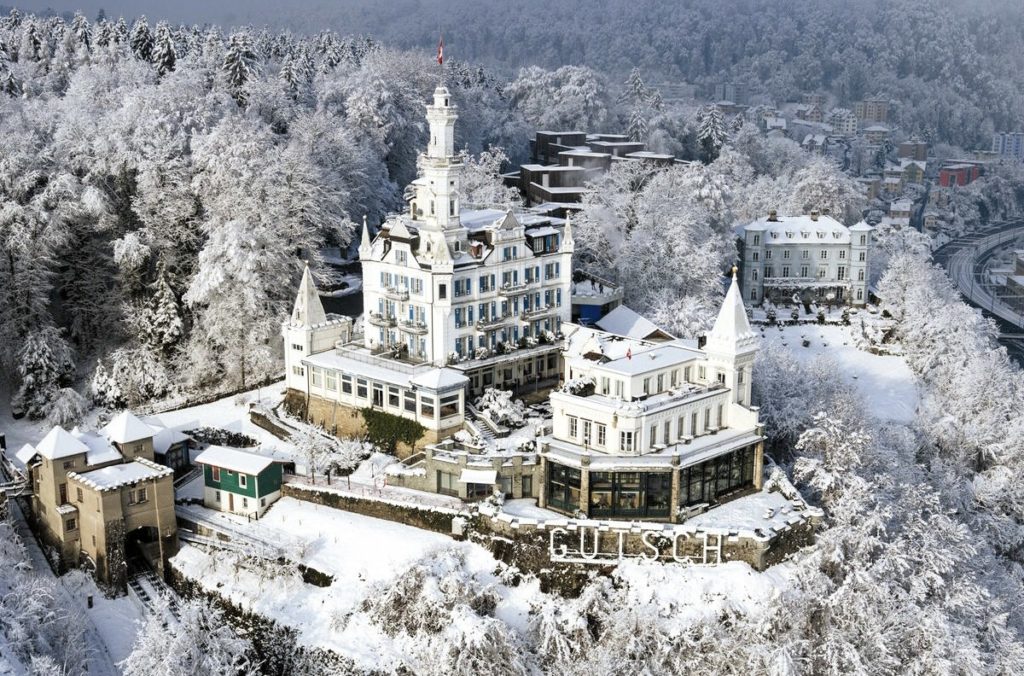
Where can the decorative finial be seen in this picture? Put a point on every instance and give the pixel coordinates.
(364, 220)
(734, 268)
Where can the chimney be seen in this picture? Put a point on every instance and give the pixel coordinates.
(814, 214)
(772, 215)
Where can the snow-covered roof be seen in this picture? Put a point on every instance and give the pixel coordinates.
(862, 226)
(478, 476)
(801, 229)
(541, 232)
(234, 460)
(439, 379)
(125, 428)
(101, 451)
(25, 454)
(651, 359)
(115, 476)
(906, 162)
(877, 127)
(377, 370)
(623, 321)
(58, 443)
(165, 437)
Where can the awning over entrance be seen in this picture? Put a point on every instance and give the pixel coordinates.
(478, 476)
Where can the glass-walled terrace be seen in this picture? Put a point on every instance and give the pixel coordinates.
(648, 494)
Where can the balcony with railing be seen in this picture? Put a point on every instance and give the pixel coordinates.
(377, 319)
(488, 323)
(804, 282)
(516, 288)
(537, 313)
(394, 293)
(413, 326)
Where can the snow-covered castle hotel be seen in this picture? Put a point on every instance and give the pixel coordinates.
(813, 256)
(455, 300)
(653, 430)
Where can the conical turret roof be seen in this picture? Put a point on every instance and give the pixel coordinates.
(731, 331)
(308, 310)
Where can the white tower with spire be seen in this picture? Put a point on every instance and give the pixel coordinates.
(435, 207)
(731, 346)
(309, 330)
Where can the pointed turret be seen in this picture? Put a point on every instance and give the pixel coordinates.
(308, 310)
(731, 345)
(731, 327)
(365, 247)
(568, 243)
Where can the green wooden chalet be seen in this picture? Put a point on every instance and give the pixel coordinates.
(238, 481)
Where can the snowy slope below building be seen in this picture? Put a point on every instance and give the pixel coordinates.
(369, 557)
(886, 383)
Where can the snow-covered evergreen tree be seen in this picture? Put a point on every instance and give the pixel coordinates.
(161, 320)
(141, 40)
(637, 129)
(45, 366)
(240, 64)
(164, 54)
(711, 132)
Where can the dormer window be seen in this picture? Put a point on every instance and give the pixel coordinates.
(804, 234)
(789, 233)
(821, 235)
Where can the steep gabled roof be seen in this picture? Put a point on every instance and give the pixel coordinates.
(59, 443)
(125, 428)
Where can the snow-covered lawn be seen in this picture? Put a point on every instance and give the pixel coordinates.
(886, 383)
(232, 414)
(359, 552)
(365, 555)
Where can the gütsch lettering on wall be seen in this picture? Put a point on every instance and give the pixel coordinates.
(592, 545)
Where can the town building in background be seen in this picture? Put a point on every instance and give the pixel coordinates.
(805, 258)
(1008, 145)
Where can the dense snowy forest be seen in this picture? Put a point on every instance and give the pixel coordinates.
(956, 69)
(161, 186)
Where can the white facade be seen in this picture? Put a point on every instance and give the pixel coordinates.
(811, 255)
(322, 361)
(439, 281)
(446, 286)
(635, 407)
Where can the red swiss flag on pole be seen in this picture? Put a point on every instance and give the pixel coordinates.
(629, 353)
(440, 51)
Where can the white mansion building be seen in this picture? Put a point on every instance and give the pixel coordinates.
(814, 257)
(455, 301)
(640, 430)
(653, 430)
